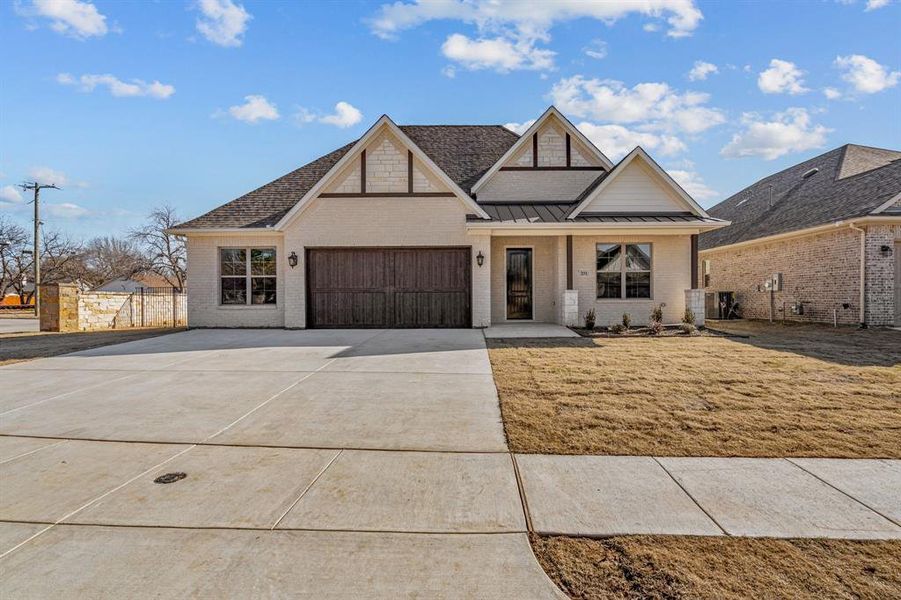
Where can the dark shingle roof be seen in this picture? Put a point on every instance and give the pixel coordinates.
(787, 201)
(463, 152)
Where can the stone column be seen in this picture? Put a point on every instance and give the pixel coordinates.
(694, 301)
(59, 307)
(571, 308)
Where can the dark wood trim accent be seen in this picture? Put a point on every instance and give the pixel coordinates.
(389, 195)
(534, 150)
(552, 169)
(409, 171)
(569, 259)
(694, 261)
(569, 151)
(363, 171)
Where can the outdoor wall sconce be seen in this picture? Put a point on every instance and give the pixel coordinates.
(292, 260)
(480, 258)
(886, 250)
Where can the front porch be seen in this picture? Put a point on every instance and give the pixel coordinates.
(546, 278)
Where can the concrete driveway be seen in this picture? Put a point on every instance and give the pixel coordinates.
(320, 463)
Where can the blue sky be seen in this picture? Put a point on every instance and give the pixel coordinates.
(129, 105)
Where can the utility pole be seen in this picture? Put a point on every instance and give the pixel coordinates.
(37, 187)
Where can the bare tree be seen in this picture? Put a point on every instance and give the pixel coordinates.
(166, 252)
(61, 261)
(108, 258)
(13, 240)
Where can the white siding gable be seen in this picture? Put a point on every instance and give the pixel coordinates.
(637, 189)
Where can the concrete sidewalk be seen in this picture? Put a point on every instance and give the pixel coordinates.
(757, 497)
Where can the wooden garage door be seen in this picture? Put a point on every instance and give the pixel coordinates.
(388, 287)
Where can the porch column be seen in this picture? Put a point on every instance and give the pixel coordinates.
(570, 298)
(694, 262)
(569, 262)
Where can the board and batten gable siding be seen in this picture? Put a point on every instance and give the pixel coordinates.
(670, 277)
(636, 189)
(383, 222)
(202, 284)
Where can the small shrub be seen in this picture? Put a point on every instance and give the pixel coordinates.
(616, 328)
(688, 328)
(689, 317)
(655, 327)
(657, 314)
(589, 319)
(627, 320)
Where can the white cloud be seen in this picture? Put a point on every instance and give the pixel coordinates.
(616, 141)
(651, 27)
(255, 108)
(74, 18)
(597, 49)
(345, 115)
(831, 93)
(701, 70)
(117, 87)
(788, 131)
(520, 128)
(875, 4)
(48, 176)
(449, 71)
(509, 30)
(222, 22)
(9, 194)
(783, 77)
(656, 106)
(865, 74)
(503, 54)
(692, 183)
(66, 210)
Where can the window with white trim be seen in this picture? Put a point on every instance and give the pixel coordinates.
(247, 276)
(623, 271)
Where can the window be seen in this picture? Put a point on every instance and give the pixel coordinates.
(243, 270)
(623, 271)
(706, 264)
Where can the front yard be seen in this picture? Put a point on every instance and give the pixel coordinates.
(648, 567)
(794, 390)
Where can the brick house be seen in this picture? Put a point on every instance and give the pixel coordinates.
(450, 226)
(830, 225)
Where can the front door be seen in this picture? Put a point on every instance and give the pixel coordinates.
(519, 283)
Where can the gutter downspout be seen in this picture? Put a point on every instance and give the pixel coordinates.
(863, 272)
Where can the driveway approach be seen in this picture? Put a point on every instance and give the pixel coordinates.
(321, 463)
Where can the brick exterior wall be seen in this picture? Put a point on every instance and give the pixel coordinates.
(820, 271)
(386, 165)
(670, 277)
(202, 285)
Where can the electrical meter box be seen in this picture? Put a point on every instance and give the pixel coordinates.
(776, 284)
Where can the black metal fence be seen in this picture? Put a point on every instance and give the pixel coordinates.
(153, 307)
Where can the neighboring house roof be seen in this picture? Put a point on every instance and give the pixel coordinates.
(136, 281)
(849, 182)
(463, 152)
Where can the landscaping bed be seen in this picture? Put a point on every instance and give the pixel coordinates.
(803, 391)
(648, 567)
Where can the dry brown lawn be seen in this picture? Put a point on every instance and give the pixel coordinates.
(784, 391)
(16, 347)
(721, 568)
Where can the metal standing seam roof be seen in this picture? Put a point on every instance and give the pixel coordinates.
(557, 212)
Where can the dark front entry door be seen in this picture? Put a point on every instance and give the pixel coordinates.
(389, 287)
(519, 283)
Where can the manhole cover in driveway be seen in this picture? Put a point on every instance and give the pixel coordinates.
(170, 477)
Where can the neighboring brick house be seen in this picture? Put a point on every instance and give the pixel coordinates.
(450, 226)
(827, 225)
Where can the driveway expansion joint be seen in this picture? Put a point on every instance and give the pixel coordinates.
(693, 499)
